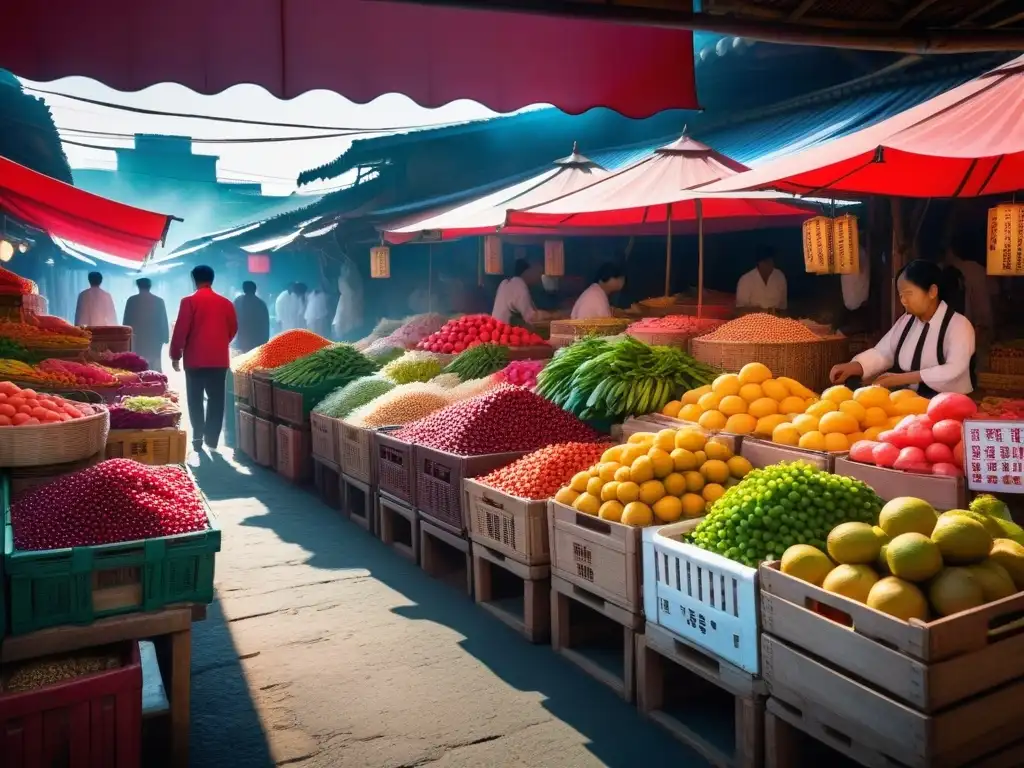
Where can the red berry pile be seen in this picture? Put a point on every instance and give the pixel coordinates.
(115, 500)
(507, 418)
(540, 474)
(471, 330)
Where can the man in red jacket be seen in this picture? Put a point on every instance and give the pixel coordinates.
(204, 329)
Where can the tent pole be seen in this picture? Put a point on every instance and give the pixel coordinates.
(668, 254)
(430, 278)
(700, 258)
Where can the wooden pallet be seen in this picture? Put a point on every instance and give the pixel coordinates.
(680, 687)
(327, 481)
(359, 503)
(597, 636)
(398, 526)
(494, 576)
(445, 556)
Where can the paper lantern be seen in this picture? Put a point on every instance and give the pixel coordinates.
(845, 245)
(1005, 240)
(380, 262)
(831, 246)
(493, 261)
(554, 258)
(817, 236)
(259, 264)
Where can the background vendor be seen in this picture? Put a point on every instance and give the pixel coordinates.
(929, 349)
(594, 302)
(763, 287)
(513, 303)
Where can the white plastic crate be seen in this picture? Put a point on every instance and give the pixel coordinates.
(706, 599)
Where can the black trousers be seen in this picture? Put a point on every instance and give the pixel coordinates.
(207, 417)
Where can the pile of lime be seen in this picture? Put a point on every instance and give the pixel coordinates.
(778, 506)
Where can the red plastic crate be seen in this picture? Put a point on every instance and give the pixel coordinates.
(93, 720)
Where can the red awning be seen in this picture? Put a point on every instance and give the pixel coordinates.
(966, 142)
(78, 216)
(358, 49)
(663, 185)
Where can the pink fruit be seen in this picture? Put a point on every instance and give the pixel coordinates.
(917, 435)
(885, 454)
(862, 451)
(939, 453)
(958, 454)
(948, 431)
(951, 405)
(942, 468)
(892, 437)
(912, 459)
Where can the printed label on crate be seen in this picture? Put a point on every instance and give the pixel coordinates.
(994, 456)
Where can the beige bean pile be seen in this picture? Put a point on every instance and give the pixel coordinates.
(41, 673)
(761, 327)
(403, 404)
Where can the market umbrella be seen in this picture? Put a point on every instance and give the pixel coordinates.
(660, 189)
(966, 142)
(486, 215)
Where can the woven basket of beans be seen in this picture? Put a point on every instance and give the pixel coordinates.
(63, 442)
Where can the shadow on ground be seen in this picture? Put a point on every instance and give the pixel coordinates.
(617, 734)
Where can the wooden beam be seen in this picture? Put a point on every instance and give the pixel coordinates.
(944, 41)
(1009, 20)
(979, 12)
(801, 9)
(915, 11)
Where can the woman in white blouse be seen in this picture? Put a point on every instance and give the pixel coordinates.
(593, 302)
(929, 349)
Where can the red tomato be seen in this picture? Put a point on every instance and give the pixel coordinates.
(448, 347)
(8, 410)
(39, 413)
(27, 393)
(32, 421)
(485, 336)
(26, 409)
(20, 419)
(5, 421)
(460, 347)
(9, 388)
(53, 416)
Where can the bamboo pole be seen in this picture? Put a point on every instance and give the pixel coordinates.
(700, 258)
(668, 254)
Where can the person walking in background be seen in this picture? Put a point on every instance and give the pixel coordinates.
(95, 306)
(253, 319)
(203, 332)
(317, 314)
(348, 315)
(290, 308)
(146, 314)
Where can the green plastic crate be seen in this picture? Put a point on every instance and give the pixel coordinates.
(82, 584)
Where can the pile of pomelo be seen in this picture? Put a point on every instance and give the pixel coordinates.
(916, 563)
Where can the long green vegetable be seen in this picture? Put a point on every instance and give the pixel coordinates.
(479, 361)
(342, 401)
(339, 363)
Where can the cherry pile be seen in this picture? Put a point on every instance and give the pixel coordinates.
(507, 418)
(115, 500)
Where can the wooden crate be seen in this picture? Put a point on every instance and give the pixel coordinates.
(601, 556)
(396, 474)
(294, 455)
(940, 491)
(764, 453)
(529, 615)
(327, 481)
(359, 503)
(667, 668)
(356, 451)
(398, 526)
(445, 556)
(242, 384)
(247, 434)
(265, 443)
(262, 395)
(518, 528)
(592, 633)
(325, 445)
(148, 446)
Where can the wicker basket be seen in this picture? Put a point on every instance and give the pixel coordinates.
(111, 338)
(809, 362)
(1003, 383)
(59, 443)
(1001, 361)
(655, 308)
(605, 326)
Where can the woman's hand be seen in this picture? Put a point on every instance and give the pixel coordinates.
(897, 380)
(844, 371)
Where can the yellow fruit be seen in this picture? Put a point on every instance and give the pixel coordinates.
(732, 405)
(611, 510)
(955, 590)
(715, 471)
(637, 514)
(700, 457)
(712, 492)
(990, 523)
(899, 395)
(587, 503)
(566, 496)
(893, 421)
(621, 474)
(638, 438)
(740, 424)
(739, 467)
(872, 433)
(594, 486)
(691, 412)
(811, 401)
(875, 417)
(694, 482)
(807, 563)
(898, 598)
(641, 470)
(613, 454)
(812, 441)
(767, 424)
(754, 373)
(854, 409)
(912, 406)
(763, 407)
(786, 434)
(631, 453)
(712, 420)
(836, 442)
(672, 408)
(795, 387)
(668, 509)
(627, 492)
(710, 401)
(675, 484)
(776, 390)
(853, 544)
(579, 481)
(691, 397)
(693, 506)
(726, 384)
(805, 423)
(792, 404)
(606, 470)
(610, 491)
(854, 438)
(665, 440)
(651, 491)
(1009, 554)
(751, 392)
(717, 450)
(690, 439)
(994, 580)
(913, 556)
(838, 394)
(905, 514)
(852, 581)
(821, 407)
(683, 460)
(961, 540)
(872, 397)
(661, 462)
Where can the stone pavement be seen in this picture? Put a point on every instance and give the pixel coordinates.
(324, 649)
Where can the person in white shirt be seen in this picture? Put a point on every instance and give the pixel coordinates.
(930, 348)
(290, 308)
(763, 287)
(978, 288)
(513, 296)
(317, 313)
(95, 306)
(593, 302)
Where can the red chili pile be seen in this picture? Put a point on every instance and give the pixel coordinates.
(115, 500)
(505, 419)
(471, 330)
(540, 474)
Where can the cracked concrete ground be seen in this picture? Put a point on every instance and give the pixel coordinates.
(325, 649)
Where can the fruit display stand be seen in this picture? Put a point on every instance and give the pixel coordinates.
(242, 383)
(566, 332)
(808, 362)
(54, 443)
(292, 405)
(396, 472)
(941, 491)
(326, 445)
(445, 556)
(398, 526)
(885, 691)
(293, 456)
(110, 338)
(262, 394)
(763, 453)
(327, 482)
(264, 442)
(356, 452)
(149, 446)
(514, 593)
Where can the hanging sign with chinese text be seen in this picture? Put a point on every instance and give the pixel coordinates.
(380, 262)
(994, 456)
(1005, 240)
